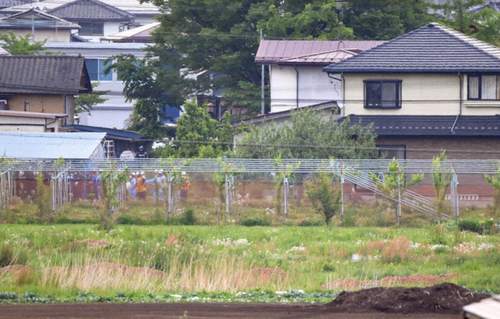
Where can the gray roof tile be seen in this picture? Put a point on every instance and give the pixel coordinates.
(43, 75)
(431, 49)
(90, 10)
(425, 125)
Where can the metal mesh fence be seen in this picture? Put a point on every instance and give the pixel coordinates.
(264, 184)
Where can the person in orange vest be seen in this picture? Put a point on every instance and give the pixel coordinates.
(140, 186)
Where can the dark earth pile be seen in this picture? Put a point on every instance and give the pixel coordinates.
(443, 298)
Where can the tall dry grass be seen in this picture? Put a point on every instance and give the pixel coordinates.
(228, 272)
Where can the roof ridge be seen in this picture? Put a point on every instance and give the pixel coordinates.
(103, 4)
(318, 53)
(471, 41)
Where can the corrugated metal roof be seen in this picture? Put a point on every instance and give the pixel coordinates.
(24, 145)
(43, 74)
(272, 51)
(431, 49)
(110, 133)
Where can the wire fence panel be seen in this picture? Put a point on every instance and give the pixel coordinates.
(251, 183)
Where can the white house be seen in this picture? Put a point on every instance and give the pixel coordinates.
(295, 70)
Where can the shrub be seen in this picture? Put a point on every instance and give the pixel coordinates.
(469, 224)
(255, 222)
(310, 222)
(328, 267)
(129, 220)
(188, 217)
(7, 255)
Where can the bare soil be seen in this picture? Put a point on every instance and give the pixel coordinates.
(444, 301)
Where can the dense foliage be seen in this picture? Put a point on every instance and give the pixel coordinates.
(309, 134)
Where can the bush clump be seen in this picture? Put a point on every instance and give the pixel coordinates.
(474, 225)
(255, 222)
(188, 217)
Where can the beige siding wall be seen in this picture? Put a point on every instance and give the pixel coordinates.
(39, 103)
(422, 94)
(42, 35)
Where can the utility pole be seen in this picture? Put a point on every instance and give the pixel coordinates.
(262, 104)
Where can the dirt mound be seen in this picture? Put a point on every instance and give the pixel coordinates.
(443, 298)
(391, 281)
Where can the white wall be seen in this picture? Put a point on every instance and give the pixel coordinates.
(314, 87)
(422, 94)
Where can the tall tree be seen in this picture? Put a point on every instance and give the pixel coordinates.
(483, 24)
(386, 19)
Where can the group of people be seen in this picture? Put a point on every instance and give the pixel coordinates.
(137, 186)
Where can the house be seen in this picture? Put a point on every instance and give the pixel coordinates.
(295, 70)
(41, 25)
(431, 89)
(94, 17)
(42, 84)
(97, 18)
(116, 109)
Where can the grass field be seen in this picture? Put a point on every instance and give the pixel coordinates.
(65, 261)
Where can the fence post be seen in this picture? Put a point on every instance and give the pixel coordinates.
(342, 191)
(398, 214)
(285, 201)
(454, 195)
(169, 196)
(228, 200)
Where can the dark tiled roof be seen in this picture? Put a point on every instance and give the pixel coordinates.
(90, 10)
(43, 75)
(397, 125)
(272, 51)
(41, 21)
(12, 3)
(430, 49)
(110, 133)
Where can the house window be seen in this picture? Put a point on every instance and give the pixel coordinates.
(382, 94)
(91, 28)
(392, 151)
(96, 68)
(483, 87)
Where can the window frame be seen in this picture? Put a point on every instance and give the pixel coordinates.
(480, 87)
(92, 27)
(397, 101)
(100, 71)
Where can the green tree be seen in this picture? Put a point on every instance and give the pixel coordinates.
(386, 19)
(393, 183)
(483, 25)
(494, 180)
(153, 82)
(441, 181)
(324, 195)
(199, 135)
(22, 45)
(309, 134)
(84, 102)
(109, 211)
